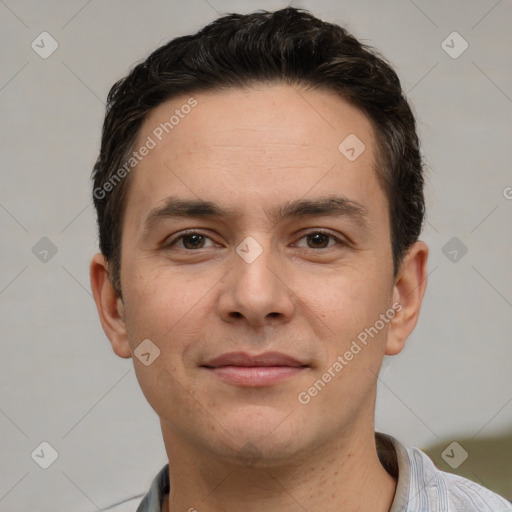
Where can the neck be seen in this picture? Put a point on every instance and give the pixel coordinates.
(348, 476)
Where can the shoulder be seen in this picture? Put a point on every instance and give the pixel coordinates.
(448, 492)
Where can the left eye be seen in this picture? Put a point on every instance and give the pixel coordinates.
(319, 240)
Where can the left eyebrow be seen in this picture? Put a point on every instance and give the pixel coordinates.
(334, 206)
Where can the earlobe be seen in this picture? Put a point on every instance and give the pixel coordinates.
(110, 307)
(408, 292)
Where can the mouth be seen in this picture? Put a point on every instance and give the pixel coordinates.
(261, 370)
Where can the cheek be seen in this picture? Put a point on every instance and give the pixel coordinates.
(166, 311)
(354, 349)
(349, 300)
(157, 299)
(171, 309)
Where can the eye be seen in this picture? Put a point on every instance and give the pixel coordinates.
(190, 240)
(320, 240)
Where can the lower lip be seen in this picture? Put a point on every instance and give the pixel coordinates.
(253, 376)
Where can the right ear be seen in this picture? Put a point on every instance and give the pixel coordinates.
(110, 307)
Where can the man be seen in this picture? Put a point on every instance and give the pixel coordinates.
(259, 193)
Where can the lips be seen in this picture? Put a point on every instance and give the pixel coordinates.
(246, 360)
(241, 369)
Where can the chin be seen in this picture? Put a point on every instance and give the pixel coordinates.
(267, 434)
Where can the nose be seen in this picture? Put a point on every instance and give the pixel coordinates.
(255, 291)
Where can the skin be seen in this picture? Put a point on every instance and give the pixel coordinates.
(253, 150)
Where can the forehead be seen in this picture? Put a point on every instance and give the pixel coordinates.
(270, 143)
(270, 115)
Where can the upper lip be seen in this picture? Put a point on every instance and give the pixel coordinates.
(243, 359)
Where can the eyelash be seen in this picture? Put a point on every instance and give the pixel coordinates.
(200, 233)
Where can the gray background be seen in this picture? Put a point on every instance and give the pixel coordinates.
(61, 383)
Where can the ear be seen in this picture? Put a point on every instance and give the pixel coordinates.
(110, 307)
(408, 292)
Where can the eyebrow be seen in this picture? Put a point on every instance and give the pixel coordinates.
(335, 206)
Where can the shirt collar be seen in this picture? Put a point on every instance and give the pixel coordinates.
(393, 456)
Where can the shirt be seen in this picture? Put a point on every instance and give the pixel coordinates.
(421, 487)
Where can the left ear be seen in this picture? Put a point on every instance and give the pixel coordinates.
(408, 292)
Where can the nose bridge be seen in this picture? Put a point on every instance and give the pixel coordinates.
(255, 291)
(252, 267)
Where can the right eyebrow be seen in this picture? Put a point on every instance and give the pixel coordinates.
(175, 207)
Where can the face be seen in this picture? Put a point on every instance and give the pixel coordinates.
(256, 258)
